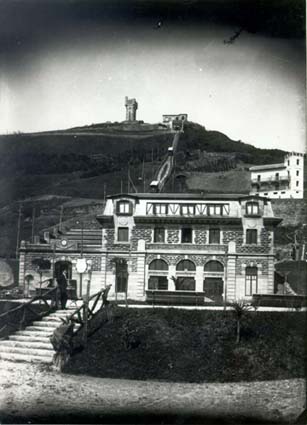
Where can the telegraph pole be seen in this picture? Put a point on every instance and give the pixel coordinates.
(104, 192)
(128, 179)
(61, 217)
(33, 224)
(18, 229)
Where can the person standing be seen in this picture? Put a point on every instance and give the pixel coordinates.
(62, 288)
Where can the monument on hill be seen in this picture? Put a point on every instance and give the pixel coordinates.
(131, 107)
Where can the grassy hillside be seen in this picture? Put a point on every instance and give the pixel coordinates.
(88, 162)
(194, 346)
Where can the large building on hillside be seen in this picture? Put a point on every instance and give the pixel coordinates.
(284, 180)
(175, 121)
(216, 247)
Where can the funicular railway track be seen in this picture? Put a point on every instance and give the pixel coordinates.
(166, 167)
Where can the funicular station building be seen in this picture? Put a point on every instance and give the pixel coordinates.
(160, 247)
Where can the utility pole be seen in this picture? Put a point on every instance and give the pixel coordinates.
(128, 179)
(143, 175)
(121, 186)
(18, 229)
(61, 217)
(33, 224)
(104, 192)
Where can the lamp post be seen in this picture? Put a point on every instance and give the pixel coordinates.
(81, 253)
(83, 266)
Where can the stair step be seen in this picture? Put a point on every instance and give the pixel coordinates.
(27, 351)
(35, 333)
(44, 329)
(57, 312)
(14, 357)
(46, 324)
(30, 338)
(41, 345)
(54, 319)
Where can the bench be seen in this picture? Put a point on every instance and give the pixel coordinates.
(175, 297)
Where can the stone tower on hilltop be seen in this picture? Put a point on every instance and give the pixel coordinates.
(131, 107)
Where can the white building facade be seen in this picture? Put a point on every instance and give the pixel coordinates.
(215, 248)
(284, 180)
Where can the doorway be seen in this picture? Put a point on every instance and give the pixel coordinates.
(121, 275)
(213, 288)
(60, 266)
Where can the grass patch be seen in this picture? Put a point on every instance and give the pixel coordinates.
(194, 346)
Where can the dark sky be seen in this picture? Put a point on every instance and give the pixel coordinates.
(72, 62)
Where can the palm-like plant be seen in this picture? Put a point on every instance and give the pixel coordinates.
(239, 307)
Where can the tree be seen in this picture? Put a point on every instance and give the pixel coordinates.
(240, 308)
(176, 282)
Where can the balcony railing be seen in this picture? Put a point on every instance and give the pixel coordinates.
(272, 179)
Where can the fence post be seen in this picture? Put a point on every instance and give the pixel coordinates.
(86, 302)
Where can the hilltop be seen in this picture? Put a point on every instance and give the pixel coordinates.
(87, 163)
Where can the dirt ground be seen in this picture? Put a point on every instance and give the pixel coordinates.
(35, 394)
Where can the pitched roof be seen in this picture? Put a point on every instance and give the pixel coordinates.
(267, 167)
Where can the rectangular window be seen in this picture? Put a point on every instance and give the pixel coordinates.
(297, 183)
(288, 162)
(251, 281)
(187, 209)
(123, 234)
(159, 234)
(214, 209)
(259, 177)
(252, 208)
(123, 207)
(276, 176)
(158, 283)
(160, 208)
(214, 236)
(186, 235)
(297, 162)
(251, 236)
(297, 172)
(185, 283)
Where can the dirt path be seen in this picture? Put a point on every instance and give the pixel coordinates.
(33, 394)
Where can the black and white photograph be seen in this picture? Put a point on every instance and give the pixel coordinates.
(153, 264)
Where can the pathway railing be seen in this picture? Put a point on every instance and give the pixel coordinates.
(88, 310)
(19, 317)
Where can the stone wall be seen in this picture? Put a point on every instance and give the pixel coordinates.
(233, 235)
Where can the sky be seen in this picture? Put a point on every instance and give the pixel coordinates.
(64, 64)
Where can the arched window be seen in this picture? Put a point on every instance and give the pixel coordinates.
(214, 266)
(158, 275)
(251, 280)
(158, 265)
(186, 265)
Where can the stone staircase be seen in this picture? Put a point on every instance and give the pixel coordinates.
(33, 343)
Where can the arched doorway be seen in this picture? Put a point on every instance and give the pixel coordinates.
(214, 281)
(158, 271)
(60, 266)
(185, 271)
